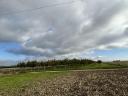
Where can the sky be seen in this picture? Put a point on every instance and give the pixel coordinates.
(57, 29)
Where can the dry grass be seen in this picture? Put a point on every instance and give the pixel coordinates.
(84, 83)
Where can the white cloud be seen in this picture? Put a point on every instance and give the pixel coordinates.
(7, 62)
(65, 29)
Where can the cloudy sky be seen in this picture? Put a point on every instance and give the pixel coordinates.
(46, 29)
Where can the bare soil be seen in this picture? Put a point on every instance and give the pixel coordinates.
(81, 83)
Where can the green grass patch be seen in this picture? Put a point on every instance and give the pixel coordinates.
(11, 83)
(103, 66)
(88, 66)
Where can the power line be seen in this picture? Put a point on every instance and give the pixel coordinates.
(34, 9)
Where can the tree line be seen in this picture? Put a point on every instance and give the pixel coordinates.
(65, 62)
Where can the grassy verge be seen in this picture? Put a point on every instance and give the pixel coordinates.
(104, 66)
(10, 83)
(90, 66)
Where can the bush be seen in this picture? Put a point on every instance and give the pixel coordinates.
(99, 61)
